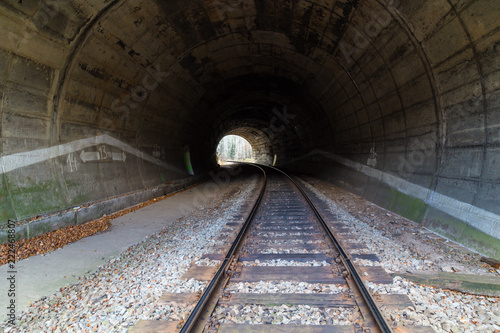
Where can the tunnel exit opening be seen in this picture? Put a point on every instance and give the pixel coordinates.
(234, 148)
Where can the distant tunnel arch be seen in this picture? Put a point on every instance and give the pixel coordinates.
(260, 143)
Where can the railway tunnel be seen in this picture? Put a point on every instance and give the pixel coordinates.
(396, 101)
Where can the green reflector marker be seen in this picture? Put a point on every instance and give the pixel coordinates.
(187, 160)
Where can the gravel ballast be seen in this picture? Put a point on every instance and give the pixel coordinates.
(402, 245)
(127, 288)
(285, 287)
(443, 310)
(284, 314)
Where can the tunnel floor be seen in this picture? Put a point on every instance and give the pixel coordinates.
(119, 281)
(42, 275)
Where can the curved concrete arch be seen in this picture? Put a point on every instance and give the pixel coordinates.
(76, 44)
(484, 92)
(390, 8)
(261, 145)
(425, 61)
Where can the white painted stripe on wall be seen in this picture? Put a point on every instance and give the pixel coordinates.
(20, 160)
(472, 215)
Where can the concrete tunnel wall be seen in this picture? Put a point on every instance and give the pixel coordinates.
(394, 100)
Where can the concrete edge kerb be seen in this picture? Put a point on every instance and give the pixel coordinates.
(468, 213)
(89, 212)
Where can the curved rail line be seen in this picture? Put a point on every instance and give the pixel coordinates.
(375, 311)
(191, 323)
(197, 319)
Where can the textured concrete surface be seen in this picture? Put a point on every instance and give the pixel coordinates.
(466, 283)
(43, 275)
(78, 215)
(452, 218)
(407, 88)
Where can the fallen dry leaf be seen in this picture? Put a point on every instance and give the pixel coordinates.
(56, 239)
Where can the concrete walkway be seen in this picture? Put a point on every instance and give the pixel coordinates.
(43, 275)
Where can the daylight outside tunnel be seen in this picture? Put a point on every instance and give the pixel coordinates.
(234, 148)
(396, 101)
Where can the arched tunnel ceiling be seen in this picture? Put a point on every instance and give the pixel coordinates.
(206, 45)
(405, 89)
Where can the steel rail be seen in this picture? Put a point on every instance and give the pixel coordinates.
(221, 272)
(208, 293)
(375, 311)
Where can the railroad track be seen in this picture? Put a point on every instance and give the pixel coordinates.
(288, 237)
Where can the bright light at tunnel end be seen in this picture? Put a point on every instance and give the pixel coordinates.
(234, 148)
